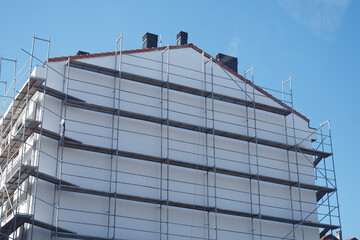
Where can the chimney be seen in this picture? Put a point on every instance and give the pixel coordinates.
(150, 40)
(339, 235)
(81, 53)
(230, 62)
(181, 38)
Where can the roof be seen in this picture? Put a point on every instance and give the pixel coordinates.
(329, 237)
(332, 237)
(190, 45)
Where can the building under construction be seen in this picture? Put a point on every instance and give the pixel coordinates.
(158, 143)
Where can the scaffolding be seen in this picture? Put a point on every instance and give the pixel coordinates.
(22, 133)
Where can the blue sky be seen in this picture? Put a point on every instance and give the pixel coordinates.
(314, 41)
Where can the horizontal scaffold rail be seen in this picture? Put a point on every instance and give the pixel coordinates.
(176, 87)
(11, 147)
(77, 145)
(21, 219)
(79, 236)
(19, 102)
(210, 209)
(188, 126)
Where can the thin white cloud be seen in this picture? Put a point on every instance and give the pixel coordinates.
(322, 17)
(233, 46)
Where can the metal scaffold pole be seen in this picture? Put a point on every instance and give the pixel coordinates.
(297, 162)
(120, 39)
(167, 139)
(39, 141)
(166, 50)
(335, 182)
(203, 69)
(247, 97)
(62, 133)
(288, 154)
(257, 154)
(213, 147)
(115, 136)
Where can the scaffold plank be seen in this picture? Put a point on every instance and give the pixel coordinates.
(50, 179)
(18, 104)
(57, 94)
(11, 147)
(193, 207)
(79, 236)
(20, 219)
(188, 126)
(14, 179)
(53, 135)
(19, 174)
(175, 87)
(9, 227)
(138, 156)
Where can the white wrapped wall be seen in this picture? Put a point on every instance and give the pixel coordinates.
(94, 215)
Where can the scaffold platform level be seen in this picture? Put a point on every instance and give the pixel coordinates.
(82, 237)
(78, 145)
(20, 219)
(194, 207)
(53, 135)
(175, 87)
(93, 107)
(12, 180)
(57, 94)
(18, 104)
(11, 147)
(23, 172)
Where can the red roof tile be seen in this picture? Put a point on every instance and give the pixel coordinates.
(190, 45)
(329, 237)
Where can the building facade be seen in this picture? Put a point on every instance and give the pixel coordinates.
(160, 143)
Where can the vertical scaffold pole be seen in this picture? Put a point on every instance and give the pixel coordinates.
(167, 140)
(213, 145)
(62, 140)
(287, 152)
(166, 50)
(37, 159)
(116, 104)
(166, 159)
(117, 128)
(256, 153)
(249, 153)
(203, 68)
(297, 161)
(326, 175)
(333, 165)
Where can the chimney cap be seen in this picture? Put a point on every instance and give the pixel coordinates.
(81, 53)
(151, 36)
